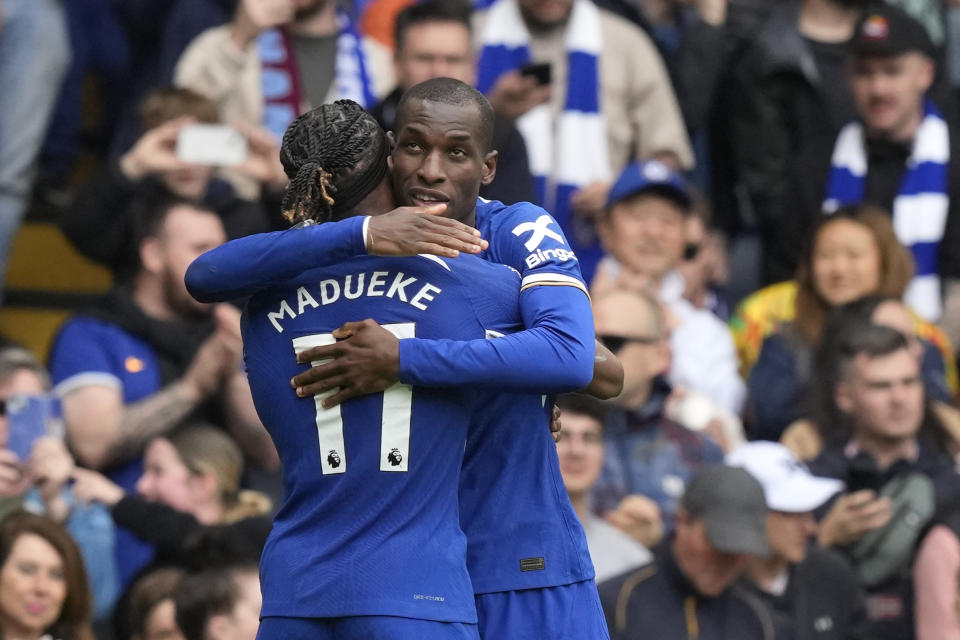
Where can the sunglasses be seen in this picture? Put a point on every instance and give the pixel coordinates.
(616, 343)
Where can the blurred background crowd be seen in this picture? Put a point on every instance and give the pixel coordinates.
(762, 196)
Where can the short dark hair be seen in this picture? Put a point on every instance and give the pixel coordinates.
(456, 93)
(430, 11)
(871, 340)
(205, 594)
(334, 155)
(584, 405)
(150, 216)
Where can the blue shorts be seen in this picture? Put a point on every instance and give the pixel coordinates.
(363, 628)
(569, 612)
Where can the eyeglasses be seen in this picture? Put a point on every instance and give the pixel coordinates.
(616, 343)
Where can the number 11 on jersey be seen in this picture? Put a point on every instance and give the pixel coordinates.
(394, 424)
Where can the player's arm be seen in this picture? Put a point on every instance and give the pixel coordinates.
(607, 380)
(554, 354)
(244, 266)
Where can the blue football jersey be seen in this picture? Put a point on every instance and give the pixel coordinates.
(521, 528)
(369, 521)
(522, 531)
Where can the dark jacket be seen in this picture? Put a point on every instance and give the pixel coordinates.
(180, 539)
(823, 600)
(890, 605)
(657, 601)
(101, 224)
(513, 182)
(777, 102)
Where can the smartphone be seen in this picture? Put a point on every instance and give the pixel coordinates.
(29, 419)
(537, 70)
(211, 144)
(863, 475)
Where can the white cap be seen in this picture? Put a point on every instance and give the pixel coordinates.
(788, 485)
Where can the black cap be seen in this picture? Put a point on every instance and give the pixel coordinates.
(888, 31)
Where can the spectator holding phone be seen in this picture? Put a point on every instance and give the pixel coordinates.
(896, 477)
(591, 119)
(278, 58)
(101, 222)
(34, 477)
(21, 374)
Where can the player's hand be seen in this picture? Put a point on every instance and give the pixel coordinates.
(555, 425)
(365, 359)
(408, 231)
(638, 517)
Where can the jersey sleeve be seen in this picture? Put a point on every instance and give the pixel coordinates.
(81, 357)
(553, 355)
(527, 238)
(242, 267)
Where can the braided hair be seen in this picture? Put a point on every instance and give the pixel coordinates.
(334, 156)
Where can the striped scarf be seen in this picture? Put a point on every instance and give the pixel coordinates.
(280, 76)
(570, 152)
(920, 207)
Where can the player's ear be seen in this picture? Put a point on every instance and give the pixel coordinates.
(392, 141)
(489, 167)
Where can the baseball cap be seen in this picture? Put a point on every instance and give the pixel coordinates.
(885, 30)
(654, 176)
(729, 502)
(788, 485)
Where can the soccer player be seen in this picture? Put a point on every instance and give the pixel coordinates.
(527, 556)
(367, 542)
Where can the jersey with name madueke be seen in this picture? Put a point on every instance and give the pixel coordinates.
(369, 524)
(521, 529)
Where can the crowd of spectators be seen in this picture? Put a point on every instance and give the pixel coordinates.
(762, 195)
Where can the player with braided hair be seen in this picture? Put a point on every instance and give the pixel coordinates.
(336, 158)
(329, 180)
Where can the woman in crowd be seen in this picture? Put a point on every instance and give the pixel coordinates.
(43, 586)
(189, 503)
(38, 483)
(852, 254)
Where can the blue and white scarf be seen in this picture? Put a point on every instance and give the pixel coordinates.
(283, 100)
(568, 152)
(920, 207)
